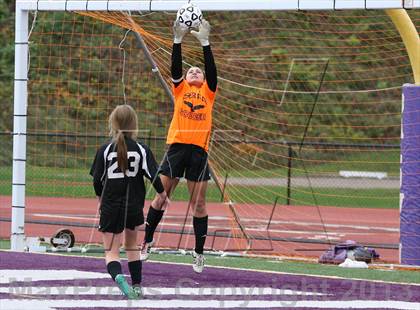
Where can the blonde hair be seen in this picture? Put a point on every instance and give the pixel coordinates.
(123, 123)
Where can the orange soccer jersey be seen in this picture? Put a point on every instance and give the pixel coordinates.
(192, 119)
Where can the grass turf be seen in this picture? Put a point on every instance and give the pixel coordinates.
(60, 182)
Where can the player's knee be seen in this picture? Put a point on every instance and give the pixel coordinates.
(200, 206)
(157, 206)
(128, 245)
(130, 242)
(111, 256)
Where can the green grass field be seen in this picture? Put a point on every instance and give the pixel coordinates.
(286, 266)
(60, 182)
(368, 160)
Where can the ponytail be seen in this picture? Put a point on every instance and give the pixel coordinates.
(121, 152)
(122, 123)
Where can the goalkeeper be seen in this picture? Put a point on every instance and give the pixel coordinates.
(188, 139)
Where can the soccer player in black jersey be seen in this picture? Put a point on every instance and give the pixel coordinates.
(118, 171)
(188, 137)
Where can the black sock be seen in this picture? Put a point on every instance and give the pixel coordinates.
(200, 230)
(153, 218)
(135, 271)
(114, 268)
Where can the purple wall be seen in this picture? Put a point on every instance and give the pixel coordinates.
(410, 177)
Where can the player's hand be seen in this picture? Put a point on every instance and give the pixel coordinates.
(203, 33)
(179, 32)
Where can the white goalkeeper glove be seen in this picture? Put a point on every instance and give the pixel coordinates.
(179, 32)
(203, 33)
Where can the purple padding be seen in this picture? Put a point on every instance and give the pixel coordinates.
(410, 177)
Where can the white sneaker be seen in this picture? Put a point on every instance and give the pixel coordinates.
(145, 250)
(198, 262)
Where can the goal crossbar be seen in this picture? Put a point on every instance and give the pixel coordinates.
(213, 5)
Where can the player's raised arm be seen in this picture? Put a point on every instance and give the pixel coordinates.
(202, 35)
(176, 64)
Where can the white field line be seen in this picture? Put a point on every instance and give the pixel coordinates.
(12, 275)
(13, 304)
(156, 291)
(273, 222)
(163, 223)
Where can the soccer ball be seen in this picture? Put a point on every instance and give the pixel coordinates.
(189, 16)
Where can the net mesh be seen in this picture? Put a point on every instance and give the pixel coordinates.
(306, 124)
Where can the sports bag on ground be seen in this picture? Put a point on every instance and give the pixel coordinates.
(349, 249)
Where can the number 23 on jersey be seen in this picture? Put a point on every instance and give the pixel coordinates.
(133, 165)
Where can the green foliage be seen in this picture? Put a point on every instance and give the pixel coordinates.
(76, 78)
(6, 64)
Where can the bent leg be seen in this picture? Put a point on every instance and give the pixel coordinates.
(155, 212)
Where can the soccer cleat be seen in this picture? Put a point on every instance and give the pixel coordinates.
(198, 262)
(139, 290)
(145, 250)
(125, 288)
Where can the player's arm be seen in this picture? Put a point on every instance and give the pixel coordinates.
(97, 172)
(176, 59)
(151, 168)
(209, 65)
(210, 68)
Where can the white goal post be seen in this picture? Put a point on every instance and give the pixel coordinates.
(212, 5)
(23, 7)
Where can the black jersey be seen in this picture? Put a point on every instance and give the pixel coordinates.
(119, 190)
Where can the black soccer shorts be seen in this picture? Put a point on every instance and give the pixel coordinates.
(186, 160)
(115, 220)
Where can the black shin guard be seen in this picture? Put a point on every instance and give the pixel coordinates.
(200, 230)
(153, 218)
(135, 271)
(114, 268)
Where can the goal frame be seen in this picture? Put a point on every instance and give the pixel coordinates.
(23, 7)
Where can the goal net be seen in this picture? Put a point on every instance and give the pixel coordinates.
(306, 124)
